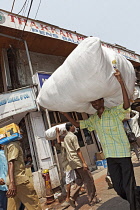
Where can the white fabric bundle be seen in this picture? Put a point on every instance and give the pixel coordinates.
(50, 134)
(87, 75)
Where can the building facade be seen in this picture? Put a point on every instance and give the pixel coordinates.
(27, 59)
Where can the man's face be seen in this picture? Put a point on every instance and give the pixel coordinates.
(73, 128)
(98, 104)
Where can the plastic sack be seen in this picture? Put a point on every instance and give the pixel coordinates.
(50, 134)
(87, 75)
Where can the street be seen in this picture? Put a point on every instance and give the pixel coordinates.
(110, 200)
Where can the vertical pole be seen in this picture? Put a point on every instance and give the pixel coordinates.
(28, 56)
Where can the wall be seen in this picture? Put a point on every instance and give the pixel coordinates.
(40, 62)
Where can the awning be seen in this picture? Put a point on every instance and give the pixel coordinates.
(14, 105)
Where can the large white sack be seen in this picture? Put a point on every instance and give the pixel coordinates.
(87, 75)
(50, 134)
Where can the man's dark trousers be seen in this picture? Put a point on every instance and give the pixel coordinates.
(122, 175)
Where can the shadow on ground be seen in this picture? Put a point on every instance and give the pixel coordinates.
(114, 204)
(81, 201)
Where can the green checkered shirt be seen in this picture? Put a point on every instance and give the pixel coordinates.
(110, 131)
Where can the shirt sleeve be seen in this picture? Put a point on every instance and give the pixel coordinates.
(75, 142)
(120, 112)
(89, 124)
(12, 152)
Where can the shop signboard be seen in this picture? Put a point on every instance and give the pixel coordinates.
(14, 21)
(40, 77)
(128, 55)
(18, 101)
(18, 22)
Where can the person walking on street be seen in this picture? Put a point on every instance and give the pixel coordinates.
(133, 122)
(77, 163)
(3, 174)
(70, 175)
(132, 125)
(20, 190)
(108, 124)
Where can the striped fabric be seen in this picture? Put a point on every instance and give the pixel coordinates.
(110, 131)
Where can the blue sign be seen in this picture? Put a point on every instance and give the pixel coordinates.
(42, 77)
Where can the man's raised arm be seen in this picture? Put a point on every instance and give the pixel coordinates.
(70, 119)
(126, 101)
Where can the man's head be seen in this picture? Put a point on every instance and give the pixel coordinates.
(98, 104)
(29, 158)
(70, 127)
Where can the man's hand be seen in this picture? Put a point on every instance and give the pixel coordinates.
(12, 191)
(118, 76)
(75, 123)
(2, 182)
(57, 131)
(85, 167)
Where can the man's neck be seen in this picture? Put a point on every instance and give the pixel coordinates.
(100, 111)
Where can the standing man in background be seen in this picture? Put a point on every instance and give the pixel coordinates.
(132, 125)
(134, 115)
(70, 175)
(3, 174)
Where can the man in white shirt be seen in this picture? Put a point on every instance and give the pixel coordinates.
(132, 125)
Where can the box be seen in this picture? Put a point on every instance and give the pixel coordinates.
(99, 164)
(105, 163)
(99, 156)
(9, 133)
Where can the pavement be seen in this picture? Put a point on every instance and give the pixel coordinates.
(110, 200)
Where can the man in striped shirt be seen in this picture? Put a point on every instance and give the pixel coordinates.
(108, 124)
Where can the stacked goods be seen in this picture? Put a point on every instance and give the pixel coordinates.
(50, 134)
(9, 133)
(87, 75)
(101, 164)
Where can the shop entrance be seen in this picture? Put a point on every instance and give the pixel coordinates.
(27, 147)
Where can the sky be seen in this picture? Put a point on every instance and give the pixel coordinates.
(115, 22)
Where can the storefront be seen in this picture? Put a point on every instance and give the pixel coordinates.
(19, 106)
(30, 61)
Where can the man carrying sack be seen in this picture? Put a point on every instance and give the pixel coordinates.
(108, 124)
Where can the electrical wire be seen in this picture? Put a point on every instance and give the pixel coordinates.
(22, 7)
(34, 18)
(13, 5)
(27, 18)
(37, 9)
